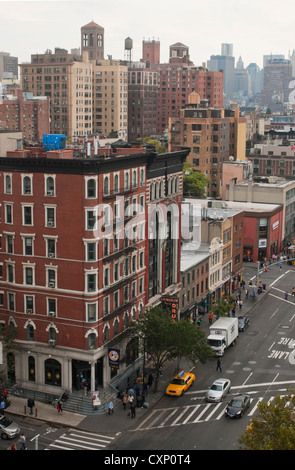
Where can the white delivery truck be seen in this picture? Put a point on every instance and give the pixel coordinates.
(223, 333)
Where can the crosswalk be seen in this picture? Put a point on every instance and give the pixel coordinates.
(75, 439)
(192, 414)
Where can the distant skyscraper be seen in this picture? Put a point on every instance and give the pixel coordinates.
(8, 66)
(277, 76)
(92, 40)
(227, 64)
(227, 49)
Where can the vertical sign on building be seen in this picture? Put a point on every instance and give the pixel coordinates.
(171, 304)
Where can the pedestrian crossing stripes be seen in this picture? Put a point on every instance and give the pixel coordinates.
(192, 414)
(80, 440)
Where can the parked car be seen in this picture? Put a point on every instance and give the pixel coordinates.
(8, 429)
(180, 383)
(243, 323)
(218, 390)
(237, 406)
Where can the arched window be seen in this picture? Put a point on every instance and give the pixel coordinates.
(92, 341)
(27, 185)
(8, 186)
(91, 188)
(106, 334)
(52, 372)
(116, 183)
(134, 179)
(52, 333)
(152, 192)
(106, 185)
(31, 369)
(116, 326)
(49, 186)
(30, 333)
(126, 181)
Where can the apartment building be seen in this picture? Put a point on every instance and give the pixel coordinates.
(75, 258)
(25, 113)
(212, 134)
(67, 82)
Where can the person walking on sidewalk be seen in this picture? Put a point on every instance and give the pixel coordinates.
(210, 318)
(219, 365)
(240, 304)
(111, 407)
(246, 294)
(293, 291)
(2, 406)
(132, 409)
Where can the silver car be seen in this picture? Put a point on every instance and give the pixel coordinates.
(218, 390)
(8, 429)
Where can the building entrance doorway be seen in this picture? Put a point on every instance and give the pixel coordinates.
(81, 372)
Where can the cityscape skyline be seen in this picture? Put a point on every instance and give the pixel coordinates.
(253, 28)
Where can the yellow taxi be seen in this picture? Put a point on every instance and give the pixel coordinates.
(180, 383)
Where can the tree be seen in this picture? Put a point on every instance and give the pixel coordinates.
(160, 148)
(166, 340)
(221, 308)
(273, 428)
(194, 182)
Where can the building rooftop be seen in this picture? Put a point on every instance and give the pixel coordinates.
(192, 254)
(234, 207)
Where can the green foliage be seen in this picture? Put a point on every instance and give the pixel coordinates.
(273, 428)
(194, 183)
(221, 308)
(160, 148)
(167, 340)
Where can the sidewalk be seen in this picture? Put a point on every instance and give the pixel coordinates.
(119, 421)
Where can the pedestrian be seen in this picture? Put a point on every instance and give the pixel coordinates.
(137, 391)
(59, 406)
(218, 365)
(23, 442)
(2, 406)
(111, 407)
(13, 447)
(286, 295)
(132, 409)
(124, 401)
(240, 304)
(5, 394)
(150, 380)
(210, 318)
(246, 294)
(281, 265)
(293, 291)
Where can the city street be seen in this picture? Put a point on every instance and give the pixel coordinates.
(261, 364)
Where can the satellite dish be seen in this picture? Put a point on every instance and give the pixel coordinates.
(231, 158)
(187, 172)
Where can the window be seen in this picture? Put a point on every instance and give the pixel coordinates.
(51, 307)
(106, 305)
(106, 277)
(116, 183)
(9, 243)
(10, 273)
(8, 214)
(51, 249)
(116, 299)
(51, 278)
(91, 251)
(27, 215)
(29, 304)
(90, 219)
(91, 282)
(28, 277)
(53, 372)
(50, 186)
(28, 246)
(8, 184)
(50, 216)
(27, 185)
(91, 341)
(106, 187)
(91, 188)
(91, 312)
(126, 180)
(11, 302)
(30, 333)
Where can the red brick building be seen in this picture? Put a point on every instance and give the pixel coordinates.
(27, 114)
(75, 257)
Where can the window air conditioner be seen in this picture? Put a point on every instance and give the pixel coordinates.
(50, 255)
(51, 284)
(51, 314)
(29, 310)
(51, 342)
(50, 224)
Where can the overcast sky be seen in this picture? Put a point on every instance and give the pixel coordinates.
(254, 27)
